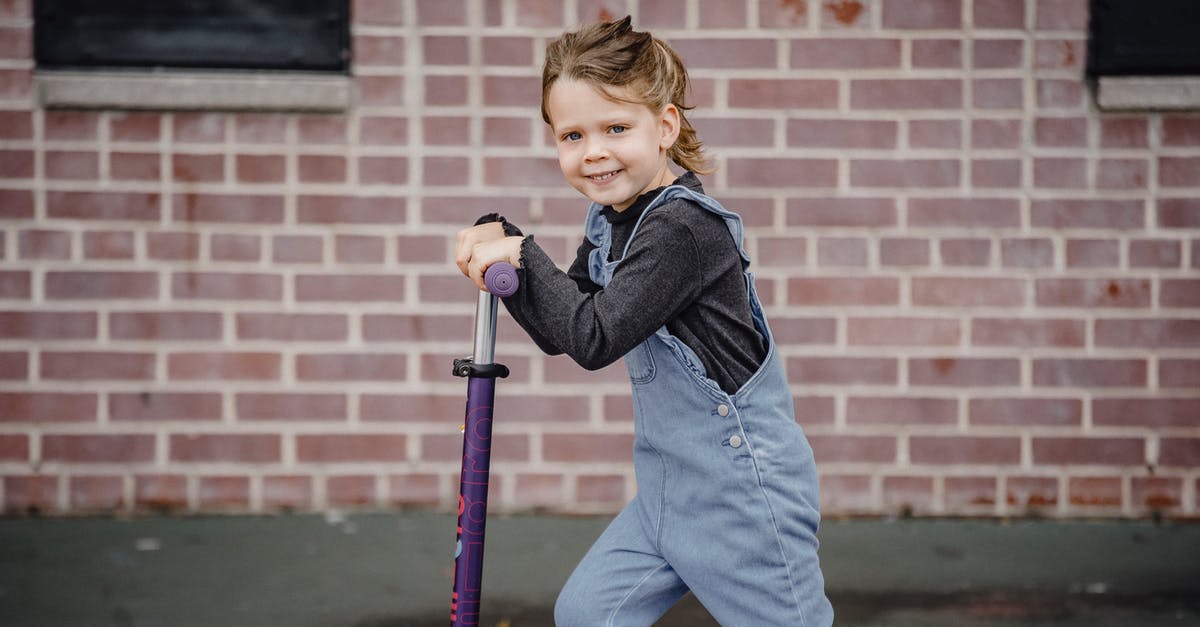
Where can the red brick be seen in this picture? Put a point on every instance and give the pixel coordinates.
(297, 249)
(1131, 132)
(448, 447)
(965, 252)
(321, 168)
(1095, 292)
(224, 493)
(843, 370)
(833, 133)
(350, 490)
(260, 128)
(177, 246)
(226, 286)
(382, 131)
(964, 371)
(16, 125)
(908, 494)
(1146, 412)
(1060, 172)
(816, 291)
(290, 407)
(108, 245)
(1122, 173)
(130, 126)
(600, 489)
(18, 164)
(16, 84)
(14, 447)
(618, 409)
(345, 287)
(103, 205)
(830, 53)
(846, 494)
(351, 367)
(223, 366)
(842, 252)
(755, 93)
(161, 493)
(964, 494)
(1025, 411)
(1079, 451)
(935, 133)
(562, 369)
(904, 251)
(16, 204)
(15, 284)
(1025, 332)
(1031, 492)
(238, 208)
(787, 252)
(896, 331)
(724, 53)
(1061, 15)
(233, 247)
(47, 407)
(964, 450)
(422, 248)
(93, 366)
(444, 91)
(514, 51)
(1061, 132)
(199, 127)
(379, 12)
(32, 494)
(1059, 54)
(937, 53)
(190, 168)
(900, 411)
(462, 211)
(446, 130)
(906, 93)
(498, 131)
(1094, 491)
(92, 493)
(389, 50)
(354, 448)
(1060, 94)
(922, 14)
(511, 91)
(164, 406)
(412, 408)
(1179, 373)
(71, 165)
(412, 327)
(996, 173)
(1155, 253)
(390, 90)
(998, 14)
(169, 325)
(383, 170)
(43, 244)
(968, 292)
(591, 447)
(849, 212)
(71, 125)
(351, 209)
(413, 489)
(287, 492)
(292, 327)
(998, 53)
(538, 490)
(14, 366)
(98, 449)
(1148, 333)
(1027, 252)
(996, 133)
(1180, 452)
(905, 173)
(663, 14)
(1156, 493)
(1179, 293)
(1088, 214)
(1093, 253)
(261, 168)
(513, 171)
(454, 171)
(226, 447)
(543, 409)
(998, 93)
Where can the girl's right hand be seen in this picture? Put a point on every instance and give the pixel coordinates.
(468, 238)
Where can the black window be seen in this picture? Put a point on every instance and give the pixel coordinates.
(1144, 38)
(308, 35)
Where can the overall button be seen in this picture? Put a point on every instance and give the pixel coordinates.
(735, 441)
(722, 410)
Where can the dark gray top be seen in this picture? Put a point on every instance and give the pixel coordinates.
(682, 270)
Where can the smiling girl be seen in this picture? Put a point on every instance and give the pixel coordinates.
(727, 487)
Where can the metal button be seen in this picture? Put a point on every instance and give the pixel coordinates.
(723, 410)
(735, 441)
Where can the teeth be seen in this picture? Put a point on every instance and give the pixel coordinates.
(603, 177)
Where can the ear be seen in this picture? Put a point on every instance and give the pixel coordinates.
(668, 127)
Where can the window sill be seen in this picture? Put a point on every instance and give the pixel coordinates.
(163, 90)
(1148, 93)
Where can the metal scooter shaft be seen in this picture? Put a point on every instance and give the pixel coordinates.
(501, 280)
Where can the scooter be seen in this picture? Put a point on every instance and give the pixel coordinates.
(481, 373)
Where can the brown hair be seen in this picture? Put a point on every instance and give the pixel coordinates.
(612, 54)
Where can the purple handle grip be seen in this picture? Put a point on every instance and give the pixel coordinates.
(501, 279)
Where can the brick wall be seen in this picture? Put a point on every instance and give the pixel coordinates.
(986, 291)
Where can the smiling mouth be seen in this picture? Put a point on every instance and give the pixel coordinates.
(600, 178)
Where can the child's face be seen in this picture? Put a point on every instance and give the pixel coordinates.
(608, 150)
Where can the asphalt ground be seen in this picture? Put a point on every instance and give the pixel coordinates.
(394, 569)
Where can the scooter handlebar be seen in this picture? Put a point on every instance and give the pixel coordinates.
(501, 279)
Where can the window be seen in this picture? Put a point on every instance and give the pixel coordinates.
(1143, 55)
(232, 54)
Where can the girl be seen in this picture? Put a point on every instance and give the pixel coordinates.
(727, 488)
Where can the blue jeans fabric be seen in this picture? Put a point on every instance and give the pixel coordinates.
(727, 502)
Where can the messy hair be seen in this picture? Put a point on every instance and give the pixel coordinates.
(612, 54)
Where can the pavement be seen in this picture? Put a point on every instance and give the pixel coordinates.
(394, 569)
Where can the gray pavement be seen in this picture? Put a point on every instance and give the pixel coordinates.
(391, 570)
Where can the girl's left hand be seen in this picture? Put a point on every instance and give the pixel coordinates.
(484, 254)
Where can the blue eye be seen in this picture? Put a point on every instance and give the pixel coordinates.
(617, 128)
(573, 136)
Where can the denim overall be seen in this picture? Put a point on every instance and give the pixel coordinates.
(726, 501)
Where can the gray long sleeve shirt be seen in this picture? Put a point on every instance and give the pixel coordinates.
(682, 270)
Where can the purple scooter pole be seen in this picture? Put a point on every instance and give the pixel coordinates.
(481, 373)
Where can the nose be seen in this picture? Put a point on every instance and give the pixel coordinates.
(595, 150)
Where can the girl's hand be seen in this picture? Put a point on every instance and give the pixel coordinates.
(469, 237)
(484, 254)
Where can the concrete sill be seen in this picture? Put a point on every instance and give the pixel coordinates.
(1148, 93)
(163, 90)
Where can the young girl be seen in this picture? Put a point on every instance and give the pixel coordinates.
(727, 489)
